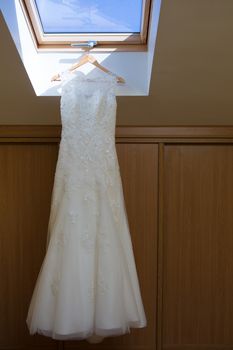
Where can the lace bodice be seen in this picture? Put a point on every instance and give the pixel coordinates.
(88, 112)
(87, 148)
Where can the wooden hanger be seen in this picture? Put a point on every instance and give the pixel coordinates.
(87, 58)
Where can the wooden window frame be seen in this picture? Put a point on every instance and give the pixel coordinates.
(105, 42)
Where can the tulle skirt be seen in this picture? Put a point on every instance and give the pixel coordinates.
(88, 284)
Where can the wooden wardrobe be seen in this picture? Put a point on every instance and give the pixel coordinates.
(178, 187)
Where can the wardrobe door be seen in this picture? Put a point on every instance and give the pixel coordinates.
(26, 178)
(139, 172)
(197, 256)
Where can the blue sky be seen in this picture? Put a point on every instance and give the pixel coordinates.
(90, 15)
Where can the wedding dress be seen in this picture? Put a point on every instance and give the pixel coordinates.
(87, 286)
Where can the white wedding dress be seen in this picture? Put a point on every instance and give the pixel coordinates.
(88, 284)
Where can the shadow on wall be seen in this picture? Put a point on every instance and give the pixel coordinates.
(19, 104)
(10, 12)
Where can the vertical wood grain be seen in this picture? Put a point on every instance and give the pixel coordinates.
(198, 247)
(139, 170)
(159, 313)
(26, 178)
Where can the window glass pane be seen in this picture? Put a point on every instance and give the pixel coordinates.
(90, 16)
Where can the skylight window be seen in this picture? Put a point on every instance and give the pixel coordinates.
(109, 22)
(90, 16)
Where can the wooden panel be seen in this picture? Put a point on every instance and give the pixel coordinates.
(26, 178)
(198, 247)
(128, 132)
(138, 164)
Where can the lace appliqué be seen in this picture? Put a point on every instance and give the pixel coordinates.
(87, 167)
(101, 287)
(87, 240)
(54, 285)
(73, 214)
